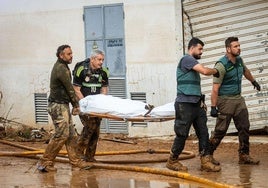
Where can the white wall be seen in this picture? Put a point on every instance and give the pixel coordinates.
(30, 34)
(31, 31)
(153, 41)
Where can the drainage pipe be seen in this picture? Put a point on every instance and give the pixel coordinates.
(62, 153)
(185, 155)
(158, 171)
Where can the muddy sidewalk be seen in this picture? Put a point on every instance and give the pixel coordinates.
(21, 172)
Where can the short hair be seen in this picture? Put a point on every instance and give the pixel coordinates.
(194, 42)
(96, 52)
(229, 40)
(61, 48)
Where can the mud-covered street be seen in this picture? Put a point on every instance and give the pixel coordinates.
(20, 172)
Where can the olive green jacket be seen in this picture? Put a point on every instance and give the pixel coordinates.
(61, 88)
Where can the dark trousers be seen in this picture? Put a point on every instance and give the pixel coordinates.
(188, 114)
(88, 140)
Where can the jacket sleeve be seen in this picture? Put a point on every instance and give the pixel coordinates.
(65, 77)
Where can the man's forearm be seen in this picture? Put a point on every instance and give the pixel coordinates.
(104, 90)
(79, 95)
(214, 96)
(248, 75)
(78, 92)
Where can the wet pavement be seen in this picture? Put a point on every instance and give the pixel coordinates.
(18, 172)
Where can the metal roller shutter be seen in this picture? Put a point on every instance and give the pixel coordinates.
(215, 20)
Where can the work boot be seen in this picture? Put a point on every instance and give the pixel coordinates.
(214, 161)
(207, 165)
(91, 159)
(174, 164)
(246, 159)
(84, 165)
(48, 168)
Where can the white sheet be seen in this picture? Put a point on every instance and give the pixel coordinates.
(122, 107)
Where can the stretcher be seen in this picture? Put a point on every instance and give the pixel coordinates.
(114, 108)
(132, 119)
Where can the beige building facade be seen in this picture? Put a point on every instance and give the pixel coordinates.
(153, 35)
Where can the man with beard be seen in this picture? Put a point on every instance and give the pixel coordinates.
(189, 108)
(61, 95)
(227, 102)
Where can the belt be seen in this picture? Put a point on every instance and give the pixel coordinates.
(58, 101)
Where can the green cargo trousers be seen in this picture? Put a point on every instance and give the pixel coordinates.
(64, 135)
(229, 109)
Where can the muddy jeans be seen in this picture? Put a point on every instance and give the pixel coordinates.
(87, 141)
(188, 114)
(64, 135)
(229, 109)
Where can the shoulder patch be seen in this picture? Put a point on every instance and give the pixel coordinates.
(106, 70)
(79, 70)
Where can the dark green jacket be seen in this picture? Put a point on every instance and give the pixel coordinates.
(231, 84)
(61, 88)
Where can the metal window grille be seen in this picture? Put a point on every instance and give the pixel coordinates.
(41, 114)
(117, 89)
(139, 96)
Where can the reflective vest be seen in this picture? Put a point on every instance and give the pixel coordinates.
(231, 84)
(188, 83)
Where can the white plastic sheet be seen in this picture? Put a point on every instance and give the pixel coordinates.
(122, 107)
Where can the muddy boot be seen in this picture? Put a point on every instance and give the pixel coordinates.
(73, 157)
(48, 168)
(207, 165)
(91, 159)
(246, 159)
(214, 161)
(84, 165)
(46, 162)
(174, 164)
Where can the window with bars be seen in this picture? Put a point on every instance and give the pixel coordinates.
(41, 114)
(117, 88)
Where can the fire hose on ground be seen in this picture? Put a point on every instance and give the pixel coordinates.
(186, 155)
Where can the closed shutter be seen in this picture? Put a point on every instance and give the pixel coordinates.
(115, 89)
(41, 114)
(213, 21)
(138, 96)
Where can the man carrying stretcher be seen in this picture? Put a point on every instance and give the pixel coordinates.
(90, 78)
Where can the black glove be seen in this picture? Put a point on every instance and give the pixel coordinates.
(217, 74)
(256, 85)
(214, 111)
(202, 98)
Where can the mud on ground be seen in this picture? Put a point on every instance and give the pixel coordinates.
(21, 172)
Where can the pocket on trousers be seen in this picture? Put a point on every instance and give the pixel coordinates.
(221, 122)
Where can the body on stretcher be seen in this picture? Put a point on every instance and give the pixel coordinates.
(107, 106)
